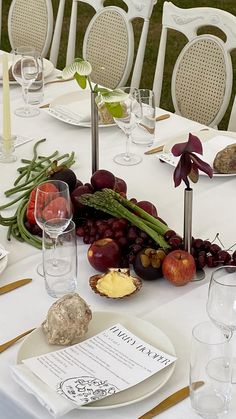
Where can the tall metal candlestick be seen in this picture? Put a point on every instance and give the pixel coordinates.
(94, 133)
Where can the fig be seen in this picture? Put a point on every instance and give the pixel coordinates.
(103, 179)
(66, 175)
(148, 262)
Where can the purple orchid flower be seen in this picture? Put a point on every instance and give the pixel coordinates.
(189, 164)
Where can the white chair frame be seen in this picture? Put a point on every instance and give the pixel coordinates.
(136, 9)
(49, 32)
(188, 22)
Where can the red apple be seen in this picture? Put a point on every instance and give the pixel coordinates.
(103, 254)
(179, 267)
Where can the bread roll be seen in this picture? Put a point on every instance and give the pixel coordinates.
(225, 160)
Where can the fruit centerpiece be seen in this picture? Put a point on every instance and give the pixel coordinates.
(121, 232)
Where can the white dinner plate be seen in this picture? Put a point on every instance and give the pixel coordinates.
(3, 261)
(212, 141)
(35, 344)
(48, 68)
(67, 99)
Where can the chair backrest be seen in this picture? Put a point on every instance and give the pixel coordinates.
(31, 22)
(202, 78)
(109, 41)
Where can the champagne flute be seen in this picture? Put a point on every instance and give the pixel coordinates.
(221, 304)
(53, 211)
(25, 69)
(132, 112)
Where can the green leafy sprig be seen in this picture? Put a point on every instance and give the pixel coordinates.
(81, 69)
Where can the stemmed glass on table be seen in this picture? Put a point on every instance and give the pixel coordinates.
(221, 306)
(53, 210)
(25, 70)
(132, 113)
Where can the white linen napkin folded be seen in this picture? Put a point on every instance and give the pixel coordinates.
(79, 111)
(53, 402)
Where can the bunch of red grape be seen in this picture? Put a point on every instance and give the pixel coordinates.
(130, 238)
(205, 253)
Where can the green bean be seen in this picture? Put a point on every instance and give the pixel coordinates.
(34, 157)
(25, 234)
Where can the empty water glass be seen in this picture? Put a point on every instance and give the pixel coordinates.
(144, 132)
(210, 386)
(60, 261)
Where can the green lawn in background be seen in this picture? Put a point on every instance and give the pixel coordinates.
(175, 40)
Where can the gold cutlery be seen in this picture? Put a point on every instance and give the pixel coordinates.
(162, 117)
(45, 106)
(155, 150)
(14, 285)
(57, 81)
(11, 342)
(170, 401)
(150, 130)
(157, 118)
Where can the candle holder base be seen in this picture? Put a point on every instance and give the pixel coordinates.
(7, 150)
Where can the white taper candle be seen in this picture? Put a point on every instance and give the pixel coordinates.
(6, 105)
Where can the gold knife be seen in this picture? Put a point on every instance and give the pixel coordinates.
(155, 150)
(13, 285)
(170, 401)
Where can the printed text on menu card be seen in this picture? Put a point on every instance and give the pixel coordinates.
(100, 366)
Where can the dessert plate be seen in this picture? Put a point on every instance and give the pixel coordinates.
(212, 142)
(74, 109)
(36, 344)
(48, 68)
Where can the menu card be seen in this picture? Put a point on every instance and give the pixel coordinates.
(102, 365)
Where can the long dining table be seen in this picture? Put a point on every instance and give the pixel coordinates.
(174, 310)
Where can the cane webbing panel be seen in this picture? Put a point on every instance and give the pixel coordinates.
(201, 81)
(107, 48)
(29, 22)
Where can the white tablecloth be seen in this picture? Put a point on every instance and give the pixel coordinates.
(174, 309)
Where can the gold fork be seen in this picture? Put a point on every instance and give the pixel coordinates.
(11, 342)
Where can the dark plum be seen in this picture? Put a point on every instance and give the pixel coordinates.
(148, 207)
(81, 190)
(120, 185)
(102, 179)
(66, 175)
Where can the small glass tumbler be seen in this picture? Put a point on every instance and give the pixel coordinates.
(210, 386)
(144, 132)
(60, 261)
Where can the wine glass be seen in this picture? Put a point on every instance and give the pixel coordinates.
(53, 211)
(132, 112)
(25, 69)
(221, 303)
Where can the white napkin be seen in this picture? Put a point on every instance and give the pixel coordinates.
(79, 111)
(53, 402)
